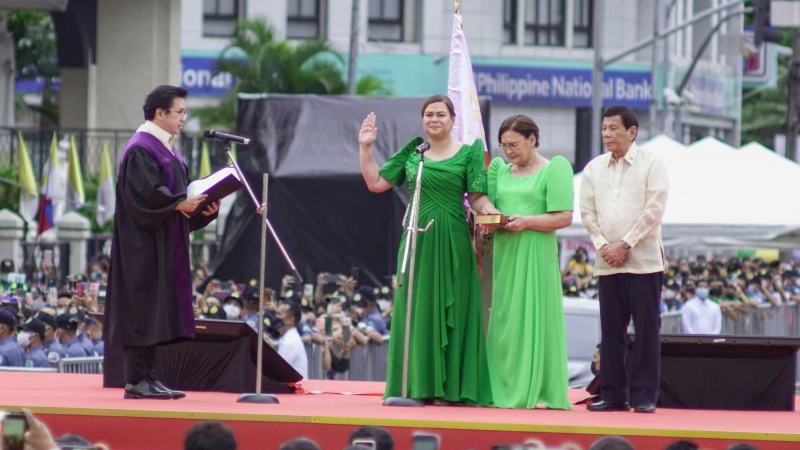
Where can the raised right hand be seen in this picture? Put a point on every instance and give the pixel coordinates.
(369, 132)
(190, 203)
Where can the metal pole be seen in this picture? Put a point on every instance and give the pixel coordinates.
(791, 117)
(259, 363)
(410, 259)
(645, 42)
(258, 397)
(351, 72)
(597, 80)
(703, 47)
(654, 74)
(258, 208)
(665, 65)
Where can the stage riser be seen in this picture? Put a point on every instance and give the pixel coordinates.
(135, 433)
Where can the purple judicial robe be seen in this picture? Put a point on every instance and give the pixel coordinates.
(149, 294)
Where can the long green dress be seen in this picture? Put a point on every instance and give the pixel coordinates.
(447, 351)
(526, 342)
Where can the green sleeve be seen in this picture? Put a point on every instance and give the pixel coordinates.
(395, 168)
(476, 168)
(491, 178)
(560, 191)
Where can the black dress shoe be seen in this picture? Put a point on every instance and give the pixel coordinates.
(145, 389)
(645, 408)
(173, 394)
(606, 406)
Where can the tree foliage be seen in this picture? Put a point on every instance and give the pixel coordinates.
(36, 57)
(262, 64)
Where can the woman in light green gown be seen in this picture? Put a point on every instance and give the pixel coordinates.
(447, 350)
(526, 344)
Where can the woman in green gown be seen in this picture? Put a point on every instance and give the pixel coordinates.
(447, 353)
(526, 341)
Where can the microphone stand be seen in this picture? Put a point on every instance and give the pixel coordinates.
(409, 258)
(261, 208)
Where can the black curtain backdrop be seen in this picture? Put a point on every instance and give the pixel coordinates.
(318, 202)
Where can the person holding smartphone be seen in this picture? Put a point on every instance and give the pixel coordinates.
(150, 282)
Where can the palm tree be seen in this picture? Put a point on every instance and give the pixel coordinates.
(262, 64)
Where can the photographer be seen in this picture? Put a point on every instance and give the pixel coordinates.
(734, 300)
(791, 280)
(336, 357)
(768, 288)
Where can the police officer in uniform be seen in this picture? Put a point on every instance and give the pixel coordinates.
(31, 338)
(67, 325)
(250, 307)
(51, 347)
(11, 353)
(83, 336)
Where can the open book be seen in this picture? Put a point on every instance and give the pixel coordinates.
(219, 184)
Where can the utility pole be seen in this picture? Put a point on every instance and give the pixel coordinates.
(597, 80)
(600, 63)
(792, 122)
(654, 74)
(351, 72)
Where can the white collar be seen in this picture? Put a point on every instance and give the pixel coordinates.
(162, 135)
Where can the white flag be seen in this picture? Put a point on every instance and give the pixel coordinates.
(461, 90)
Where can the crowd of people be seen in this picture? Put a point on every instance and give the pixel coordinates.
(732, 286)
(336, 312)
(42, 322)
(214, 435)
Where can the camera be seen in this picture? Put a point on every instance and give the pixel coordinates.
(347, 323)
(14, 426)
(425, 441)
(332, 278)
(365, 442)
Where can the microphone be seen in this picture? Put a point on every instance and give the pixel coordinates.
(422, 148)
(224, 137)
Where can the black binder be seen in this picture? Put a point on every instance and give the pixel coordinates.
(219, 184)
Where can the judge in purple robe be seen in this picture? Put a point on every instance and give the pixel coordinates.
(149, 299)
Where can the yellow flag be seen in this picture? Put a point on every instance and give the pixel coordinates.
(205, 162)
(28, 193)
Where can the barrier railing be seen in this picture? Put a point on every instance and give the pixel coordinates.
(27, 369)
(765, 320)
(91, 364)
(367, 362)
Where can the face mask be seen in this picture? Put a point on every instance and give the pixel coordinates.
(797, 282)
(702, 292)
(277, 324)
(232, 311)
(62, 311)
(96, 276)
(24, 339)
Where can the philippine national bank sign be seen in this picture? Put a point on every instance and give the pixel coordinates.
(560, 87)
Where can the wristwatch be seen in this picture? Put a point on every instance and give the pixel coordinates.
(626, 245)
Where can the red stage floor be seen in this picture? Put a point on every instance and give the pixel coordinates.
(78, 404)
